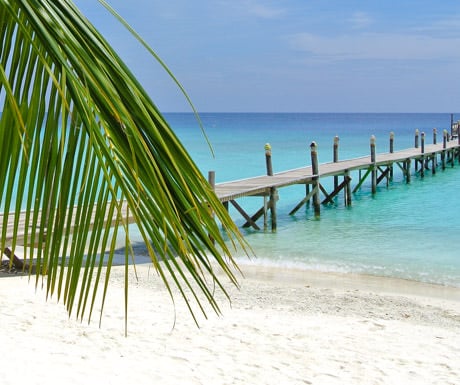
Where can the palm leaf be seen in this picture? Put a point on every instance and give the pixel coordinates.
(79, 135)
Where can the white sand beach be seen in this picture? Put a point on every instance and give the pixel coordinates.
(283, 327)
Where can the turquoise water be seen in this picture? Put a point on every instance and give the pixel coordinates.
(409, 231)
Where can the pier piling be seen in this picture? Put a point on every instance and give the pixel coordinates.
(373, 166)
(444, 146)
(336, 159)
(315, 178)
(422, 159)
(273, 192)
(392, 150)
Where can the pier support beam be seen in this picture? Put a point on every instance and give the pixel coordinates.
(347, 195)
(273, 191)
(315, 179)
(408, 162)
(336, 159)
(270, 205)
(373, 167)
(392, 149)
(444, 145)
(422, 159)
(212, 182)
(332, 195)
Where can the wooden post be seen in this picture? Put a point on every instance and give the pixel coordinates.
(273, 192)
(408, 161)
(392, 148)
(422, 170)
(315, 172)
(458, 132)
(212, 182)
(444, 145)
(434, 157)
(374, 170)
(212, 179)
(347, 188)
(268, 159)
(451, 124)
(416, 146)
(336, 159)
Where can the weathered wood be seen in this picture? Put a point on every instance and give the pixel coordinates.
(315, 178)
(408, 162)
(17, 262)
(24, 222)
(362, 179)
(257, 215)
(445, 136)
(305, 200)
(261, 185)
(212, 179)
(273, 192)
(422, 159)
(273, 196)
(373, 166)
(384, 173)
(332, 195)
(392, 150)
(268, 159)
(244, 214)
(323, 190)
(212, 183)
(347, 190)
(336, 159)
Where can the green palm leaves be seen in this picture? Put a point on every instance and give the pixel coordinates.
(84, 151)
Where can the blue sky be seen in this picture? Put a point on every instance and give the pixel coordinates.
(293, 55)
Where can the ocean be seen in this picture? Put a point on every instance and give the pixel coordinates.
(408, 231)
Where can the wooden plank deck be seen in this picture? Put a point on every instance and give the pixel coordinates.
(260, 185)
(22, 221)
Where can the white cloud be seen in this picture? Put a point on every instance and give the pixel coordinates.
(264, 11)
(255, 8)
(360, 20)
(443, 27)
(376, 46)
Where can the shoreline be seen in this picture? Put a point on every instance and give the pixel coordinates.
(348, 280)
(282, 326)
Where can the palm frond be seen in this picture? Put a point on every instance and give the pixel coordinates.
(79, 135)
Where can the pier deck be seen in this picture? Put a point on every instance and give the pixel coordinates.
(261, 184)
(374, 165)
(266, 185)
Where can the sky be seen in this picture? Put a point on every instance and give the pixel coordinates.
(292, 55)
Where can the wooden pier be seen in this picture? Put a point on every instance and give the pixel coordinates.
(378, 167)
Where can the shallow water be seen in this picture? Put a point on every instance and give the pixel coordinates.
(406, 230)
